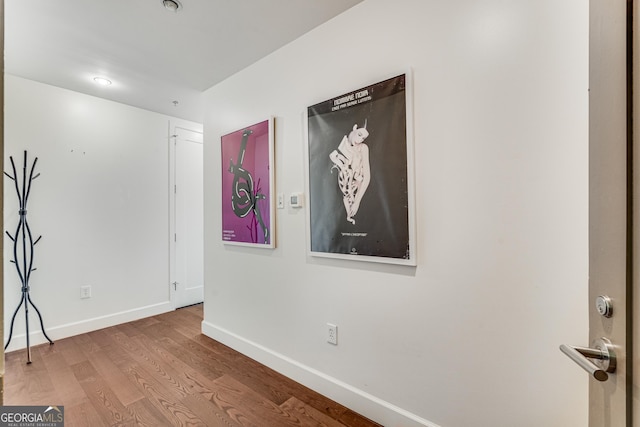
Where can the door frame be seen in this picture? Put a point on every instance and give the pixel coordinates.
(633, 74)
(2, 204)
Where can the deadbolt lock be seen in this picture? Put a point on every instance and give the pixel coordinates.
(604, 306)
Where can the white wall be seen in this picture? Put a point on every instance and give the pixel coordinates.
(470, 337)
(101, 204)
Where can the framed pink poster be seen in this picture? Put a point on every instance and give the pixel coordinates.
(248, 186)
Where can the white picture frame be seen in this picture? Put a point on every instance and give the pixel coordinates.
(248, 186)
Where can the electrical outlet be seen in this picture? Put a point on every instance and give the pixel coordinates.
(85, 292)
(332, 334)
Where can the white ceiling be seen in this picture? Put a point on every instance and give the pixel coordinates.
(153, 56)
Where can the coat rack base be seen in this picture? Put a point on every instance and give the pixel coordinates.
(26, 301)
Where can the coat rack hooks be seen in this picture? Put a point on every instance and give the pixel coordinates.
(23, 239)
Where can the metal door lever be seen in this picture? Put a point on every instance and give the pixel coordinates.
(603, 354)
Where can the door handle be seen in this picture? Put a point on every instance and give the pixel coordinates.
(603, 355)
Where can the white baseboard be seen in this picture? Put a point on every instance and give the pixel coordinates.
(353, 398)
(19, 341)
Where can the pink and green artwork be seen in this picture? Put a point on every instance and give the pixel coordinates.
(247, 180)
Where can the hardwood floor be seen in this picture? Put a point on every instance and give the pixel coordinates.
(161, 371)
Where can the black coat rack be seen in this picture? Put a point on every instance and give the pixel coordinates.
(22, 239)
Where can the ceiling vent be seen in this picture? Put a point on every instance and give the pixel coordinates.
(172, 5)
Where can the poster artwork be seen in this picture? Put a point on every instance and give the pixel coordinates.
(358, 189)
(246, 186)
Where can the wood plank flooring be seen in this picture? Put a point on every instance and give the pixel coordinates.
(161, 371)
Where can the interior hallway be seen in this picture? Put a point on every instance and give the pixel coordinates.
(161, 371)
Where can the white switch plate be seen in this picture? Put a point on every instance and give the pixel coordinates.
(280, 201)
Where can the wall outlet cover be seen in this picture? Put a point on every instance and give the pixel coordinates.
(85, 292)
(332, 334)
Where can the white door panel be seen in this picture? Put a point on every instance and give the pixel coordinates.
(188, 266)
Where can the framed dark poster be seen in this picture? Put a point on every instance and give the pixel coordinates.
(360, 174)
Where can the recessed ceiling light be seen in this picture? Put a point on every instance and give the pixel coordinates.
(102, 81)
(172, 5)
